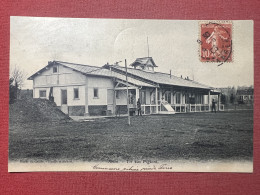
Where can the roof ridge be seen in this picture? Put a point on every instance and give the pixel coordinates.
(101, 68)
(78, 64)
(81, 69)
(148, 71)
(161, 73)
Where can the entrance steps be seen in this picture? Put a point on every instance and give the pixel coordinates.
(167, 108)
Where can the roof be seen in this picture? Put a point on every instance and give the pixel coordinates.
(136, 76)
(99, 71)
(143, 62)
(95, 71)
(163, 78)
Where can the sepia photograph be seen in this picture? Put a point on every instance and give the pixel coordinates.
(130, 95)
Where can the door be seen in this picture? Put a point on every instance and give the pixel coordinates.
(64, 101)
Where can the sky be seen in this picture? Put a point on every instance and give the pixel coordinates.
(172, 44)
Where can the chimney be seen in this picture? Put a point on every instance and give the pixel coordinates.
(170, 73)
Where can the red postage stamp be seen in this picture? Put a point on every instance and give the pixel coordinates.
(216, 42)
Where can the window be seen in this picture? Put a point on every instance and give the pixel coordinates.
(178, 98)
(131, 98)
(42, 93)
(168, 97)
(200, 99)
(143, 97)
(183, 98)
(153, 98)
(55, 69)
(187, 99)
(192, 99)
(117, 95)
(95, 92)
(76, 93)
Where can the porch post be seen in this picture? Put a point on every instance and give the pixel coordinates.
(114, 102)
(180, 100)
(209, 100)
(86, 98)
(218, 102)
(200, 96)
(160, 100)
(181, 97)
(184, 98)
(137, 95)
(156, 100)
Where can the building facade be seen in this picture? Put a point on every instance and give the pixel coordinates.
(83, 90)
(245, 95)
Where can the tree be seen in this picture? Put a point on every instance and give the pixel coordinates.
(12, 91)
(16, 81)
(18, 76)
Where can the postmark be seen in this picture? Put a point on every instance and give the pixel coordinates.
(215, 41)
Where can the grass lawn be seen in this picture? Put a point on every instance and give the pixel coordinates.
(198, 136)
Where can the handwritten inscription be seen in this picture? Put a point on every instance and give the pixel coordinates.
(136, 167)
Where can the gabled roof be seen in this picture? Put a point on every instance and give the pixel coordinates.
(135, 76)
(94, 71)
(40, 71)
(99, 71)
(143, 62)
(162, 78)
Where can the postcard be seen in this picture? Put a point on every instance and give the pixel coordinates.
(130, 95)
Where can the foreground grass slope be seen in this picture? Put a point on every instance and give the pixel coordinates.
(196, 136)
(35, 110)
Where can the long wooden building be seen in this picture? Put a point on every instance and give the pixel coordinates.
(84, 90)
